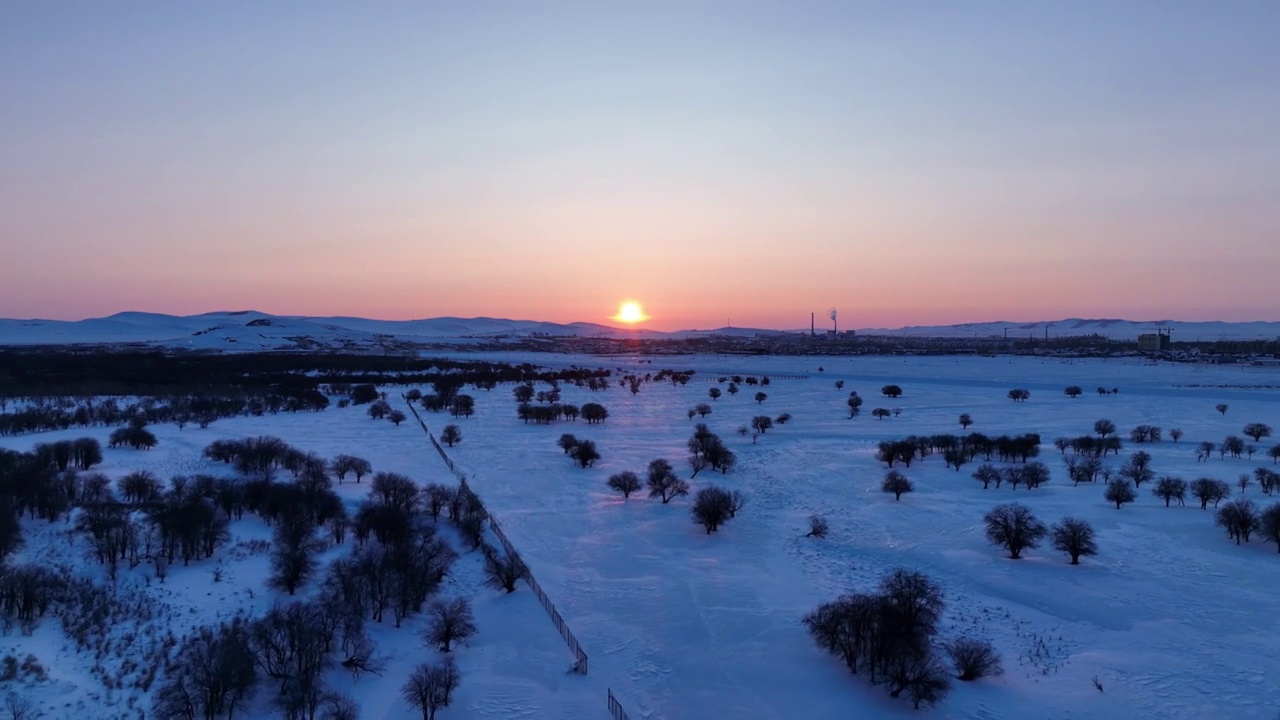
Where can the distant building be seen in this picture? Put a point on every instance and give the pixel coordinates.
(1154, 342)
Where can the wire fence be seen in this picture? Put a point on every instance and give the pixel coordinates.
(714, 377)
(580, 657)
(615, 708)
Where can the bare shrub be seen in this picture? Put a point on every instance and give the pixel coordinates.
(973, 659)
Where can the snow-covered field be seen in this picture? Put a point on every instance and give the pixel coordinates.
(1172, 618)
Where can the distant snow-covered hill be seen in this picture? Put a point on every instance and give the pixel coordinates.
(252, 330)
(1111, 328)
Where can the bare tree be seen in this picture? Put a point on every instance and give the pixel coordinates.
(1239, 518)
(761, 397)
(1257, 431)
(896, 483)
(712, 507)
(986, 474)
(1208, 490)
(761, 423)
(1176, 434)
(1015, 528)
(451, 435)
(344, 464)
(855, 405)
(1138, 469)
(1120, 492)
(1074, 537)
(502, 572)
(431, 687)
(1221, 408)
(625, 482)
(966, 420)
(1269, 525)
(451, 623)
(663, 483)
(1169, 488)
(1073, 391)
(585, 453)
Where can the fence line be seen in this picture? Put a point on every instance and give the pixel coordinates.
(615, 707)
(580, 657)
(714, 377)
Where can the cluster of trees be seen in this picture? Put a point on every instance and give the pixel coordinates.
(854, 402)
(218, 669)
(890, 634)
(399, 560)
(1145, 433)
(1241, 519)
(679, 377)
(583, 452)
(634, 382)
(380, 409)
(1089, 446)
(1015, 528)
(27, 592)
(760, 424)
(891, 391)
(701, 410)
(547, 414)
(201, 407)
(148, 522)
(551, 409)
(706, 449)
(958, 450)
(80, 454)
(135, 435)
(1019, 395)
(1033, 475)
(263, 456)
(457, 404)
(46, 483)
(97, 373)
(1231, 445)
(1268, 480)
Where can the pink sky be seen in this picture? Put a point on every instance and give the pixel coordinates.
(1030, 164)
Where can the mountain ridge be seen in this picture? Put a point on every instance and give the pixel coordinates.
(253, 329)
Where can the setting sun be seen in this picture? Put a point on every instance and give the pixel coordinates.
(630, 312)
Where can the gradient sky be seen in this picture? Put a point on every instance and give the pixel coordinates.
(907, 162)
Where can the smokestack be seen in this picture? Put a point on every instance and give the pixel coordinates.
(835, 328)
(813, 327)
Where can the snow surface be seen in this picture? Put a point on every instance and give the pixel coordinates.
(1171, 617)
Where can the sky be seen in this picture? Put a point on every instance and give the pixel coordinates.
(907, 162)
